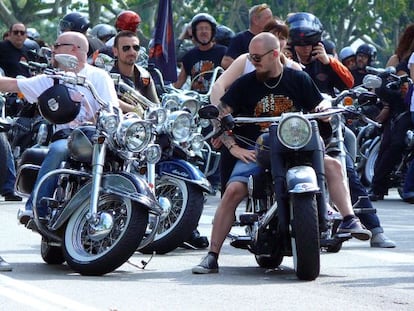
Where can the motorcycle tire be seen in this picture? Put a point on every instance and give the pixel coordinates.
(186, 203)
(52, 255)
(368, 171)
(269, 262)
(102, 252)
(305, 236)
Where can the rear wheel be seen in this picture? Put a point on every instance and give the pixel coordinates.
(52, 255)
(368, 172)
(305, 236)
(269, 262)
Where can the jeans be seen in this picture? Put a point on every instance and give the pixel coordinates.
(58, 152)
(8, 186)
(369, 220)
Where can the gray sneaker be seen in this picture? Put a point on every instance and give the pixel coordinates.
(382, 241)
(207, 265)
(5, 266)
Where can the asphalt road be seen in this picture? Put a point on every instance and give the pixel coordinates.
(357, 278)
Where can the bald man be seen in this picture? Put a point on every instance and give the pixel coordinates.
(76, 44)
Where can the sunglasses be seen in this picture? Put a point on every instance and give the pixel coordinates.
(57, 45)
(19, 32)
(257, 57)
(126, 48)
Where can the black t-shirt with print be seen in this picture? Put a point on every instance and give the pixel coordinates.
(239, 44)
(249, 97)
(196, 61)
(10, 58)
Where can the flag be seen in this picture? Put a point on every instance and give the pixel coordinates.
(162, 51)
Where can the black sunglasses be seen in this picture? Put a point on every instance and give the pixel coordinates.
(57, 45)
(257, 57)
(19, 32)
(126, 48)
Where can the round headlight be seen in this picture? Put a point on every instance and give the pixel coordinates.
(191, 105)
(108, 121)
(197, 142)
(294, 131)
(153, 153)
(178, 125)
(134, 134)
(170, 102)
(157, 116)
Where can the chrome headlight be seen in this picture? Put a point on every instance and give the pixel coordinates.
(197, 142)
(134, 134)
(170, 102)
(294, 131)
(191, 104)
(179, 124)
(108, 121)
(153, 153)
(157, 116)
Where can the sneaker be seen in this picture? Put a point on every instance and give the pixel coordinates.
(207, 265)
(382, 241)
(5, 266)
(12, 197)
(354, 227)
(196, 241)
(24, 215)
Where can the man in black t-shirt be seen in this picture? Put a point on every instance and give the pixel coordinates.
(12, 51)
(269, 91)
(206, 56)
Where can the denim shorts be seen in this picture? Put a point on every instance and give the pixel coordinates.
(242, 171)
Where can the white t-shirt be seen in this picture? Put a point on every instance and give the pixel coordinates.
(33, 87)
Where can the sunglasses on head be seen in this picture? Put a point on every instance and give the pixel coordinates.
(126, 48)
(257, 57)
(19, 32)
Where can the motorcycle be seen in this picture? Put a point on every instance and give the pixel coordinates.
(286, 207)
(99, 212)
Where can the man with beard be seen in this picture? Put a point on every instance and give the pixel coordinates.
(126, 50)
(204, 57)
(76, 44)
(270, 90)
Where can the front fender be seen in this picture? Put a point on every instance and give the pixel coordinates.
(183, 170)
(123, 183)
(301, 179)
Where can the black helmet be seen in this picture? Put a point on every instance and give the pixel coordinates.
(203, 17)
(103, 31)
(56, 105)
(304, 29)
(369, 50)
(223, 35)
(74, 22)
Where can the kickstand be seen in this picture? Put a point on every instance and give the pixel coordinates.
(143, 262)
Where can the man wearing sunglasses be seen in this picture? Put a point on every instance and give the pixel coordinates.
(12, 51)
(75, 44)
(126, 51)
(270, 90)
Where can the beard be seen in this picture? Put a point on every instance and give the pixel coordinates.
(262, 76)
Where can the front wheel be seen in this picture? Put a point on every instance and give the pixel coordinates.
(368, 172)
(183, 204)
(96, 249)
(305, 236)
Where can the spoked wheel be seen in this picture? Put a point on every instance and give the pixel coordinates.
(99, 248)
(182, 203)
(305, 236)
(368, 172)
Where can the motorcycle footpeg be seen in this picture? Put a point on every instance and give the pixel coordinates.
(241, 241)
(248, 219)
(359, 211)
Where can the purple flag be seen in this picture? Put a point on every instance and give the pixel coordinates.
(162, 51)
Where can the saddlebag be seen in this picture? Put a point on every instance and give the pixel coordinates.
(29, 166)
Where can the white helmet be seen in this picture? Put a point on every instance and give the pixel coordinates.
(345, 53)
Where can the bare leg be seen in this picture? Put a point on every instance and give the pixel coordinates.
(224, 216)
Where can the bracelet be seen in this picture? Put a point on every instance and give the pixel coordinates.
(231, 146)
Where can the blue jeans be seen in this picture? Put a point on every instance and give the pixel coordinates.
(58, 152)
(8, 186)
(369, 220)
